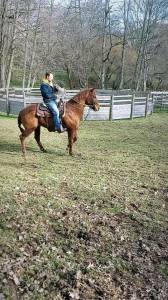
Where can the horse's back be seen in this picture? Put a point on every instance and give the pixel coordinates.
(30, 109)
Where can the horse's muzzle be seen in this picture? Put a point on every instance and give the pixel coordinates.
(96, 107)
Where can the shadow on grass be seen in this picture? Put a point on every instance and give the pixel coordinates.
(14, 149)
(23, 163)
(9, 147)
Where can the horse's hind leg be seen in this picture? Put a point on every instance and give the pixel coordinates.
(23, 136)
(75, 138)
(37, 138)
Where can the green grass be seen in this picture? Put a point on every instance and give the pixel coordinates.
(91, 226)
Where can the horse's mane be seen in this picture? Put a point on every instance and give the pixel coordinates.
(77, 97)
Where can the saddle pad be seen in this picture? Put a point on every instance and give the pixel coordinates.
(42, 111)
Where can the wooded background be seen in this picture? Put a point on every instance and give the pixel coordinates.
(106, 44)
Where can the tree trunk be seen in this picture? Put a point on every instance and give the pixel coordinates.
(69, 77)
(103, 72)
(2, 73)
(12, 47)
(143, 45)
(103, 67)
(33, 81)
(50, 23)
(126, 15)
(26, 44)
(34, 47)
(139, 58)
(3, 22)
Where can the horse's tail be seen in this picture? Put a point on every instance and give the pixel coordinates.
(20, 123)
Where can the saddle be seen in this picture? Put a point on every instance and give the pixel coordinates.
(43, 111)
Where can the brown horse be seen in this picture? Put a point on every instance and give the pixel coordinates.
(74, 111)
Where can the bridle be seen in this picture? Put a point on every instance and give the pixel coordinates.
(92, 106)
(73, 99)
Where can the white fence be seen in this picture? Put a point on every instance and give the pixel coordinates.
(113, 104)
(160, 100)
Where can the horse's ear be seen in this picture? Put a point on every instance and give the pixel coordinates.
(92, 89)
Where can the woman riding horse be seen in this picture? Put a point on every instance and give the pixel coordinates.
(48, 91)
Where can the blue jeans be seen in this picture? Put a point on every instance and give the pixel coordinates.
(52, 106)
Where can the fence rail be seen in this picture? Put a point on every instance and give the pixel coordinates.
(160, 100)
(114, 105)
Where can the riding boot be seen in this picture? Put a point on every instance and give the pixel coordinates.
(57, 124)
(61, 129)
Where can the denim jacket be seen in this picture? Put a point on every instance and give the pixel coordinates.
(48, 92)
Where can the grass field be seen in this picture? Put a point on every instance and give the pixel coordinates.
(92, 226)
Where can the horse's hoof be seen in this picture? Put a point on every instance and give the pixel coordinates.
(24, 157)
(44, 150)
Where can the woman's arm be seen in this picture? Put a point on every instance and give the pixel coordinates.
(59, 89)
(45, 91)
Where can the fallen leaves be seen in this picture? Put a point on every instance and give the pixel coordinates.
(89, 227)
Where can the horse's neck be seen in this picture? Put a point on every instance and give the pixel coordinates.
(79, 99)
(79, 104)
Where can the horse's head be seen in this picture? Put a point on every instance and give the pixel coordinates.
(91, 100)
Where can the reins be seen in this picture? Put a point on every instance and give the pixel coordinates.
(77, 102)
(83, 105)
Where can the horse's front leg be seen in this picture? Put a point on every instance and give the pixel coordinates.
(72, 138)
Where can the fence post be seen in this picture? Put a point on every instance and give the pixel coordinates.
(132, 106)
(7, 102)
(112, 106)
(161, 107)
(24, 98)
(110, 111)
(152, 104)
(146, 106)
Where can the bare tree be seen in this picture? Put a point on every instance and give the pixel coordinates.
(3, 39)
(34, 45)
(27, 32)
(12, 43)
(95, 44)
(148, 14)
(126, 10)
